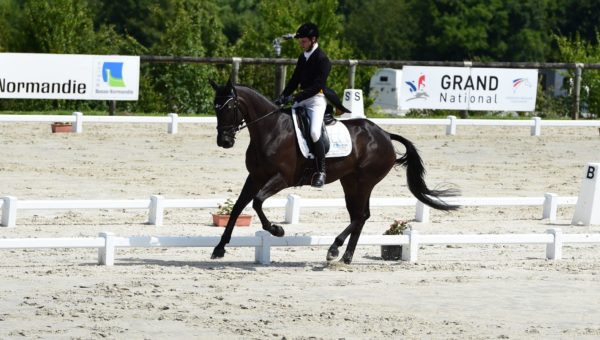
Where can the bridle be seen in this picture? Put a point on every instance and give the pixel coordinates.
(239, 121)
(238, 117)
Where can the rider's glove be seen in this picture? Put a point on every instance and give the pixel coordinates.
(284, 100)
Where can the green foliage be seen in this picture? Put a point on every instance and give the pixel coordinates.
(487, 30)
(548, 106)
(397, 228)
(275, 18)
(578, 50)
(511, 30)
(184, 88)
(225, 208)
(59, 26)
(381, 34)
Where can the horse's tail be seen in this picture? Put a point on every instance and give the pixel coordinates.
(414, 176)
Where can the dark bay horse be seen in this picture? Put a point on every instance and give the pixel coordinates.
(274, 162)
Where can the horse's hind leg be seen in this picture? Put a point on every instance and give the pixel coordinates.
(245, 197)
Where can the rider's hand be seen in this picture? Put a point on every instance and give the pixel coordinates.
(284, 100)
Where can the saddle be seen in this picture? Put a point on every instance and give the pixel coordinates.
(336, 136)
(304, 126)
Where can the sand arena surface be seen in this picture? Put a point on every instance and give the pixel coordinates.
(487, 291)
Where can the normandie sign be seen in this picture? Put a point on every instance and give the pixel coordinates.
(69, 76)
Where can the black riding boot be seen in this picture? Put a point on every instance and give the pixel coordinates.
(318, 178)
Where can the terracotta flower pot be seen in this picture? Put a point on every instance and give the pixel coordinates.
(61, 127)
(243, 220)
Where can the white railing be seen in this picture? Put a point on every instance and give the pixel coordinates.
(107, 243)
(173, 120)
(293, 204)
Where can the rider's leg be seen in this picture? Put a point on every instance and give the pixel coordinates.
(315, 108)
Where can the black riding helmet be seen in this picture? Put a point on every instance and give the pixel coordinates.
(307, 30)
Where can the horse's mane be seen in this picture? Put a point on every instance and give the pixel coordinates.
(255, 92)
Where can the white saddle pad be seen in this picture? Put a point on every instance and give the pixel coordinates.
(340, 144)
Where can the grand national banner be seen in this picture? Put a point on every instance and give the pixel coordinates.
(466, 88)
(69, 76)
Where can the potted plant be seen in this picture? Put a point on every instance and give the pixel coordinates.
(394, 252)
(61, 127)
(221, 216)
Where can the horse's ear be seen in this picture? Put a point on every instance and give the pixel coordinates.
(213, 84)
(232, 87)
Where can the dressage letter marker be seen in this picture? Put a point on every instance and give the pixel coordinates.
(353, 100)
(587, 210)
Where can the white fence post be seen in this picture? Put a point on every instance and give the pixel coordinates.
(106, 255)
(156, 210)
(262, 253)
(173, 127)
(410, 250)
(292, 209)
(550, 206)
(78, 126)
(536, 129)
(9, 212)
(554, 249)
(451, 128)
(422, 212)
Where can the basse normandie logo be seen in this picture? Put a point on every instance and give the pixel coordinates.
(112, 74)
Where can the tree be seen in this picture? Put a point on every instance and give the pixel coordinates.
(276, 18)
(380, 29)
(185, 88)
(57, 26)
(578, 50)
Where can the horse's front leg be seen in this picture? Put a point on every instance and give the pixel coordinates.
(273, 186)
(248, 191)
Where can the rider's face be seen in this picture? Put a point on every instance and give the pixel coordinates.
(306, 43)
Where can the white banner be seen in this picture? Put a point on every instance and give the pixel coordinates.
(69, 76)
(466, 88)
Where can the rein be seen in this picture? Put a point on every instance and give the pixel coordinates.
(257, 120)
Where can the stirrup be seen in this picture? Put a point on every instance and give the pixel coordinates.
(318, 179)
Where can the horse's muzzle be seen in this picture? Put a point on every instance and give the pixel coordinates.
(225, 140)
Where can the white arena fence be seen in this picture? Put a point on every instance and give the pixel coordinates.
(173, 120)
(157, 204)
(411, 241)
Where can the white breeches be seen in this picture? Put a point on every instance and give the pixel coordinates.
(315, 108)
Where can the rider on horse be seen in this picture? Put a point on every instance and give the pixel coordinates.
(311, 72)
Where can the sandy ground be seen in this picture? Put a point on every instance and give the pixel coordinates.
(474, 292)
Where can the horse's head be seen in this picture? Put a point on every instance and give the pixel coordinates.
(229, 116)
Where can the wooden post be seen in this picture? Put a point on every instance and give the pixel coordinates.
(577, 91)
(112, 107)
(351, 73)
(235, 68)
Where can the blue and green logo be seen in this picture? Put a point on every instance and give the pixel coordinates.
(112, 73)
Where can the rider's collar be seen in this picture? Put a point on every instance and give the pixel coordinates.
(309, 53)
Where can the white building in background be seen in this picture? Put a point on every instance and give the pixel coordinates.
(384, 89)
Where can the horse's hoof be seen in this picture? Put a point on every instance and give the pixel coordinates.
(332, 254)
(218, 253)
(276, 230)
(347, 258)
